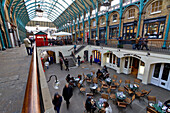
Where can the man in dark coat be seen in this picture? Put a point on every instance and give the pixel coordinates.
(66, 63)
(67, 94)
(57, 102)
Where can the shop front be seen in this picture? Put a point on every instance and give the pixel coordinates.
(154, 28)
(161, 75)
(93, 33)
(129, 30)
(97, 56)
(102, 33)
(113, 31)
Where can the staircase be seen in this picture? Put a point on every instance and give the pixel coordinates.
(79, 49)
(71, 61)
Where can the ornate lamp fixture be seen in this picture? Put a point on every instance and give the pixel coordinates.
(57, 82)
(38, 11)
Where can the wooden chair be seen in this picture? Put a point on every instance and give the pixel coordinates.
(121, 89)
(128, 90)
(137, 82)
(99, 90)
(82, 89)
(150, 110)
(146, 92)
(98, 75)
(114, 78)
(95, 80)
(129, 101)
(104, 87)
(105, 96)
(151, 99)
(127, 82)
(118, 83)
(122, 104)
(113, 88)
(89, 94)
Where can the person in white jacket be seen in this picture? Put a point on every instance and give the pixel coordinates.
(107, 107)
(27, 43)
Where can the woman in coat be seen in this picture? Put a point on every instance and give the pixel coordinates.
(57, 102)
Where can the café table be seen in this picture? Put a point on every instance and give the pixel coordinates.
(159, 109)
(133, 87)
(99, 103)
(93, 87)
(120, 96)
(89, 75)
(76, 79)
(108, 81)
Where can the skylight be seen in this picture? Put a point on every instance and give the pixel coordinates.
(52, 8)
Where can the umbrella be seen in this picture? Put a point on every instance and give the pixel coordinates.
(62, 34)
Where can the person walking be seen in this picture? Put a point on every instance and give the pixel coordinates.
(78, 60)
(67, 94)
(91, 59)
(61, 64)
(145, 43)
(66, 63)
(107, 107)
(28, 46)
(57, 102)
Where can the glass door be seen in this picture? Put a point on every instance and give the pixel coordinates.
(164, 79)
(156, 73)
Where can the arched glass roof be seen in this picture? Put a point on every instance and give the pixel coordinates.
(52, 8)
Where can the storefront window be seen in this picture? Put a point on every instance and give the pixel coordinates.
(142, 68)
(114, 33)
(114, 58)
(114, 17)
(118, 62)
(157, 70)
(166, 71)
(107, 58)
(154, 30)
(110, 57)
(126, 62)
(93, 34)
(131, 13)
(156, 6)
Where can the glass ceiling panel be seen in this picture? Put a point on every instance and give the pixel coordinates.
(51, 8)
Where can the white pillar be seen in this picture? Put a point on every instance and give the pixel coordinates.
(146, 73)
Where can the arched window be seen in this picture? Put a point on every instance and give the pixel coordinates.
(94, 23)
(102, 21)
(114, 17)
(131, 13)
(156, 6)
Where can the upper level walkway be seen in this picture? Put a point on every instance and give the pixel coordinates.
(14, 70)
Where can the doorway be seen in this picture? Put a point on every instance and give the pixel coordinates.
(97, 57)
(161, 75)
(135, 67)
(85, 55)
(52, 54)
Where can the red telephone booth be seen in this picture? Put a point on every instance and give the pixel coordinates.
(41, 39)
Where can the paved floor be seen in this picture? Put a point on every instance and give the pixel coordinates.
(14, 69)
(77, 100)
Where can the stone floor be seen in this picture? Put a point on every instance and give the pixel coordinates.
(77, 100)
(14, 69)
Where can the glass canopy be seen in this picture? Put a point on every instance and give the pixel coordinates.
(51, 8)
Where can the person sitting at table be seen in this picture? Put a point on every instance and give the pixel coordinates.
(99, 74)
(104, 70)
(107, 107)
(68, 78)
(106, 75)
(90, 105)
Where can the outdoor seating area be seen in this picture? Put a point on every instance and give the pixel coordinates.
(117, 91)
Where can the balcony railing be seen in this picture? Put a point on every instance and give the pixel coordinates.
(32, 100)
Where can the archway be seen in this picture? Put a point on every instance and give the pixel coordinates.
(86, 55)
(52, 57)
(97, 56)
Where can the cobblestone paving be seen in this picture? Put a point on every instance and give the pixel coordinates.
(14, 67)
(77, 100)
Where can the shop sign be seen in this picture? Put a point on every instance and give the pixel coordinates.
(132, 55)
